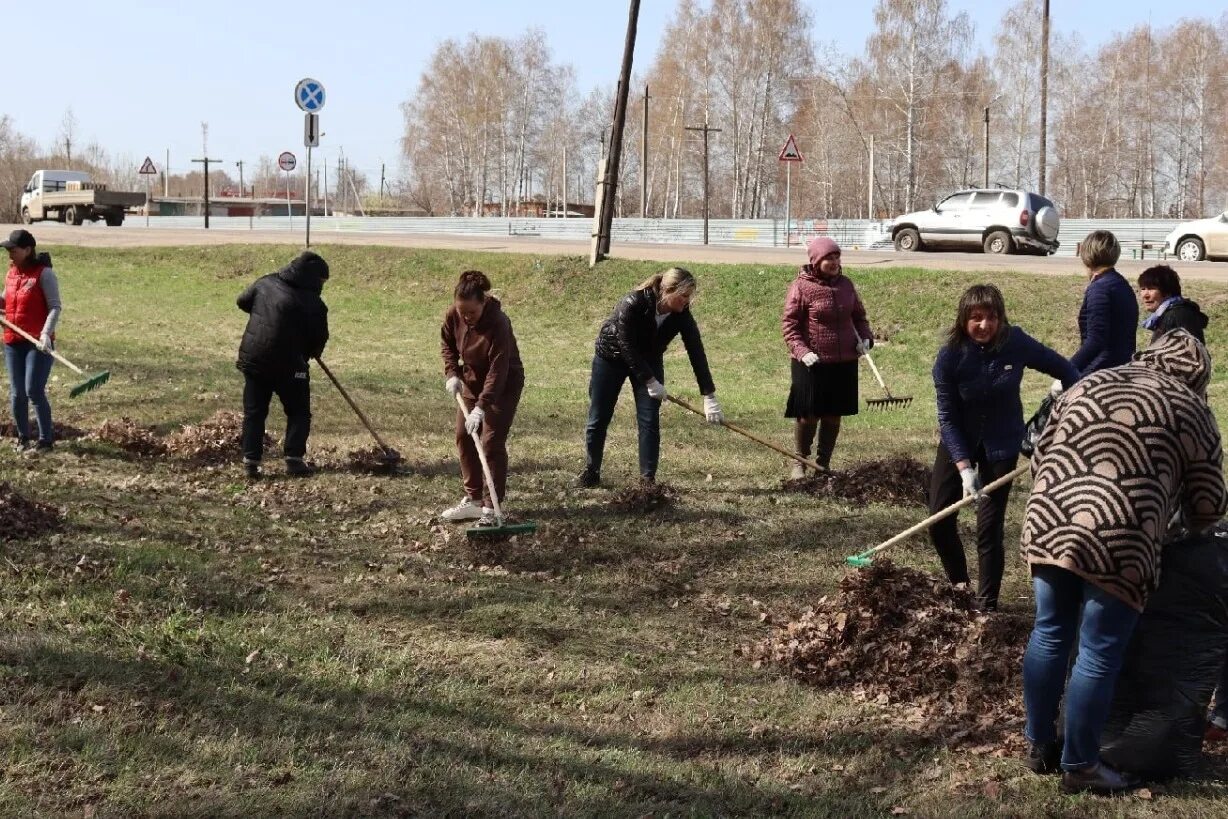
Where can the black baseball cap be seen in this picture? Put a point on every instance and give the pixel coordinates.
(18, 238)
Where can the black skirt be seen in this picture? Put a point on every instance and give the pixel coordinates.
(824, 389)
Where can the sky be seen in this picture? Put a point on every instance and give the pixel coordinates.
(140, 77)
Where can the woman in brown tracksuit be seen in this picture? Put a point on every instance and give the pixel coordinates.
(482, 365)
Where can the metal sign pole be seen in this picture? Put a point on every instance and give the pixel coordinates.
(788, 200)
(307, 205)
(148, 198)
(289, 211)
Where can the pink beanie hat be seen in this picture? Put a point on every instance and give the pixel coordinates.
(820, 247)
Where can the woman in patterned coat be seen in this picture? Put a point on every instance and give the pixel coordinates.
(1124, 450)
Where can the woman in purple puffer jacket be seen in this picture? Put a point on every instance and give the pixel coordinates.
(825, 328)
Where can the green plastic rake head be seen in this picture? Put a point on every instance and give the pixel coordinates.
(501, 530)
(91, 383)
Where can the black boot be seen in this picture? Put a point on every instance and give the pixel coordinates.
(298, 468)
(803, 438)
(251, 469)
(1098, 778)
(1044, 758)
(588, 478)
(829, 431)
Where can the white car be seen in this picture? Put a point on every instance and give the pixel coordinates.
(1199, 239)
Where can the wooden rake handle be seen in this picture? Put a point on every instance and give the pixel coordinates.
(361, 416)
(874, 369)
(36, 343)
(944, 513)
(490, 479)
(730, 425)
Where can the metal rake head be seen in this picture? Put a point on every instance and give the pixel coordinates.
(891, 402)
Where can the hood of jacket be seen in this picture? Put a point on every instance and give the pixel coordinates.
(811, 273)
(1179, 355)
(491, 314)
(308, 271)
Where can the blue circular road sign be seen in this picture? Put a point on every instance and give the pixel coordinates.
(309, 95)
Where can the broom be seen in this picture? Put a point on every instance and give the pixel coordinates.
(92, 382)
(500, 529)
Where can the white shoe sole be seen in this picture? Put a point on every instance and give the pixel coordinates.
(461, 515)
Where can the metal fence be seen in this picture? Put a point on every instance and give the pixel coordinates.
(1137, 236)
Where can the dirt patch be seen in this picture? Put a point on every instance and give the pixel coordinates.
(213, 441)
(896, 636)
(24, 518)
(63, 432)
(898, 480)
(130, 436)
(374, 460)
(643, 497)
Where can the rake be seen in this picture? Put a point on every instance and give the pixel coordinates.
(390, 457)
(500, 529)
(863, 559)
(90, 383)
(815, 465)
(890, 401)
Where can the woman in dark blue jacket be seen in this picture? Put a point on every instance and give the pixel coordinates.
(980, 417)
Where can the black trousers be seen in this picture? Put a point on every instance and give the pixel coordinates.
(294, 391)
(945, 489)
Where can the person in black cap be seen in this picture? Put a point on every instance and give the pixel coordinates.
(288, 324)
(32, 302)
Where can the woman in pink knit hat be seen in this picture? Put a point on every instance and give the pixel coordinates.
(825, 328)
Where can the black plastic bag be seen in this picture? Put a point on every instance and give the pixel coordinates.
(1036, 425)
(1159, 709)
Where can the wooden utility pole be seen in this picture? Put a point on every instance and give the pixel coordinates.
(705, 129)
(239, 165)
(206, 162)
(986, 146)
(1044, 94)
(644, 159)
(610, 177)
(870, 182)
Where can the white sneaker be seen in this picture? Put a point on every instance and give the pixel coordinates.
(488, 518)
(797, 472)
(465, 510)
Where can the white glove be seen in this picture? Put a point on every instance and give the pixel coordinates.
(473, 421)
(972, 482)
(44, 343)
(655, 389)
(452, 385)
(712, 410)
(810, 359)
(1056, 388)
(864, 345)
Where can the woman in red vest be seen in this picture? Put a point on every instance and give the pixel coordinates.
(32, 302)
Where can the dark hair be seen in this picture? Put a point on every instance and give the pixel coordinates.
(1162, 278)
(984, 297)
(472, 286)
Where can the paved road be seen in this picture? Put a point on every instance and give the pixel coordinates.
(52, 233)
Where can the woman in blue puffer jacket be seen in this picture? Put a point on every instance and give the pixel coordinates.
(977, 378)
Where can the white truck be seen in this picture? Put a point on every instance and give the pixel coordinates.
(72, 197)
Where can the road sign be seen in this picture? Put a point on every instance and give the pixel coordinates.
(311, 130)
(148, 167)
(286, 161)
(309, 95)
(790, 153)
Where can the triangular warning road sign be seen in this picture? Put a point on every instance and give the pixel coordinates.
(148, 167)
(790, 153)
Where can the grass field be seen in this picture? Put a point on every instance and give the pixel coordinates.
(189, 645)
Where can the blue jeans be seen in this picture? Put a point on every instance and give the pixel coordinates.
(28, 373)
(1062, 598)
(603, 388)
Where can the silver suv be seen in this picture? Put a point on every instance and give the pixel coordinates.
(994, 220)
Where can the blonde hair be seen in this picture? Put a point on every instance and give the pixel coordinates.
(671, 281)
(1099, 249)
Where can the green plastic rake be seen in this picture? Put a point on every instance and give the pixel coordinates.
(90, 383)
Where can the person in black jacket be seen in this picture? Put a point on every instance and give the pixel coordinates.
(288, 324)
(631, 344)
(1159, 288)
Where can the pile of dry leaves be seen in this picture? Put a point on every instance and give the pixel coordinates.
(643, 496)
(373, 459)
(23, 518)
(898, 480)
(212, 441)
(130, 436)
(894, 635)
